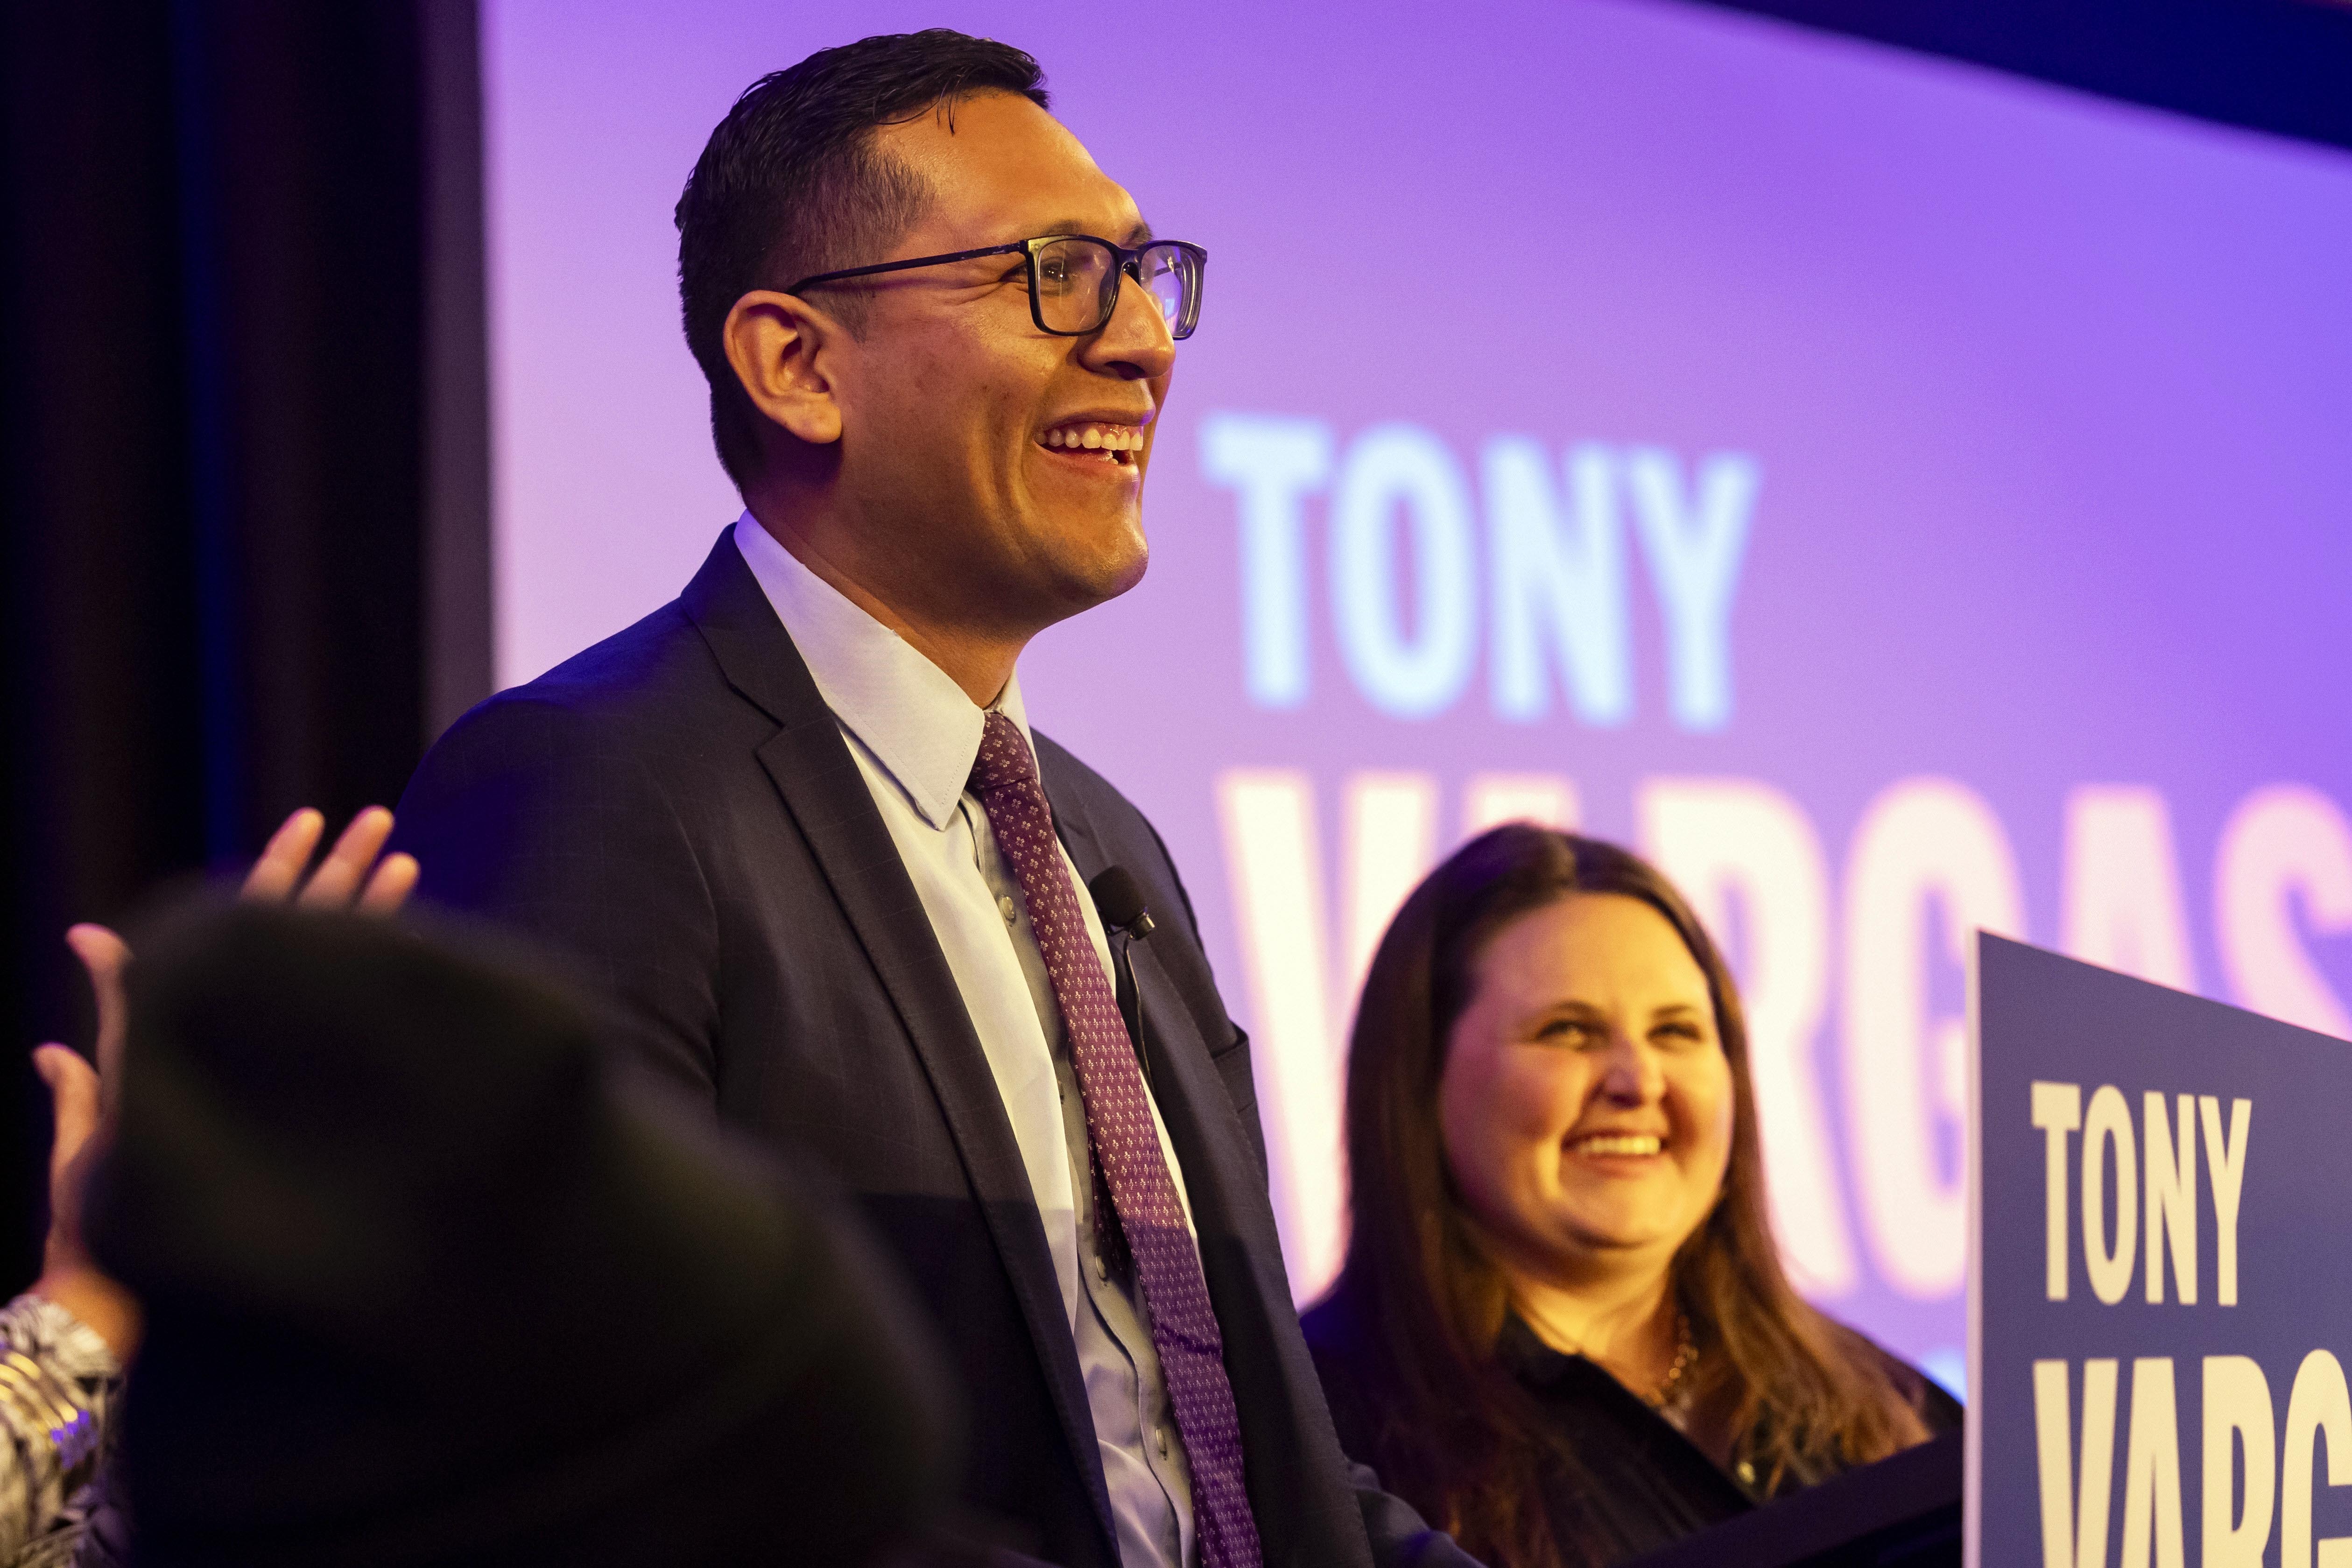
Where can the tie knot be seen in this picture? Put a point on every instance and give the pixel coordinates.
(1004, 761)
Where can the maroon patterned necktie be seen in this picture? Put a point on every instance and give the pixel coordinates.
(1127, 1146)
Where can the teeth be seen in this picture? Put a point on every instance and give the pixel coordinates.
(1104, 438)
(1641, 1144)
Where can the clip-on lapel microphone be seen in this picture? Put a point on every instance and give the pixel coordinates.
(1118, 899)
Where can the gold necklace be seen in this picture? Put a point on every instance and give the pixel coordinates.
(1686, 1353)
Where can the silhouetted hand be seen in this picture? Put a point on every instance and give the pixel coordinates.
(351, 877)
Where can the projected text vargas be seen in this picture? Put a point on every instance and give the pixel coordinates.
(1928, 862)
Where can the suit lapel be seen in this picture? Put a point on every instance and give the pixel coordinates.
(1168, 1027)
(827, 797)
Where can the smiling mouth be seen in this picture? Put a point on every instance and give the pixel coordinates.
(1608, 1146)
(1094, 441)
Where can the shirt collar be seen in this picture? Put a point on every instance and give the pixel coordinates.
(906, 710)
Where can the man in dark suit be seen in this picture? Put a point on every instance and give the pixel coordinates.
(795, 827)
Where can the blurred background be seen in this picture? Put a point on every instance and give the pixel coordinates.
(1891, 464)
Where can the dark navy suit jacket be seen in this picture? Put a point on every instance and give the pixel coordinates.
(677, 811)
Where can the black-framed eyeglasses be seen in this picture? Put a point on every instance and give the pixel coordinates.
(1075, 280)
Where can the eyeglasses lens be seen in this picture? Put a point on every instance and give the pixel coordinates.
(1073, 277)
(1168, 276)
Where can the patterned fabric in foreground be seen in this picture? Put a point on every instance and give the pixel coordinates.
(57, 1379)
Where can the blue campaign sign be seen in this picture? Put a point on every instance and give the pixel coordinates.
(2160, 1289)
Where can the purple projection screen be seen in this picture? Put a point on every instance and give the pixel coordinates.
(1898, 498)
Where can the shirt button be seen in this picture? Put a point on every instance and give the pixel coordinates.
(1163, 1435)
(1004, 907)
(1102, 1267)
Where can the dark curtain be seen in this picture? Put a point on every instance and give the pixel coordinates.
(214, 367)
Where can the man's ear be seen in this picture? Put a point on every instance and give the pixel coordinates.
(784, 352)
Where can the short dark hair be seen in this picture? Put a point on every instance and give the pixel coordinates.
(790, 186)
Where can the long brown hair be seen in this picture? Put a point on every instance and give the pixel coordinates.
(1457, 1437)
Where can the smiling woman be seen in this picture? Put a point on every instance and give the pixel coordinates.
(1563, 1330)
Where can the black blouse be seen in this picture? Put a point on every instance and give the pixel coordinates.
(1647, 1486)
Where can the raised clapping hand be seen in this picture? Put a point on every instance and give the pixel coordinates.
(355, 874)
